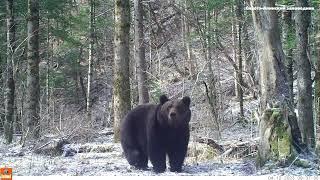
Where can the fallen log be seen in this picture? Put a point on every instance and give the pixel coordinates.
(108, 133)
(240, 149)
(53, 147)
(211, 143)
(232, 149)
(227, 152)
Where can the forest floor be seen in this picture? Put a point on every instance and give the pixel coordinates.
(103, 157)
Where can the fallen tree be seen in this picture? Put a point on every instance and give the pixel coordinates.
(236, 149)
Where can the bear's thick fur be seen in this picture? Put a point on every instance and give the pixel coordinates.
(153, 131)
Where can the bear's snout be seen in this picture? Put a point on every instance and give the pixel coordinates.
(172, 114)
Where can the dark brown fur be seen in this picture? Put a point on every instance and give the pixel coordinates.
(152, 131)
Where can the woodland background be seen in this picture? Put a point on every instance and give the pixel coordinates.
(71, 69)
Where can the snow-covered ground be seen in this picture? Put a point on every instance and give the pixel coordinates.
(105, 158)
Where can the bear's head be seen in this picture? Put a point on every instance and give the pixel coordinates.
(175, 113)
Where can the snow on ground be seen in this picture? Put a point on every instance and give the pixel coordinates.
(112, 162)
(103, 157)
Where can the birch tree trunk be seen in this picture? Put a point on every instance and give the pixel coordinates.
(33, 87)
(90, 59)
(121, 87)
(10, 84)
(305, 108)
(140, 58)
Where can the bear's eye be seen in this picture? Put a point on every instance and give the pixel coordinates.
(170, 106)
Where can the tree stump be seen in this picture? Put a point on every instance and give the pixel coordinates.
(275, 137)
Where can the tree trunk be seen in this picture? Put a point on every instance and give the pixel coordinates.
(317, 89)
(90, 59)
(275, 136)
(10, 84)
(249, 65)
(288, 39)
(121, 88)
(211, 90)
(150, 39)
(33, 87)
(2, 80)
(273, 80)
(305, 115)
(274, 126)
(239, 14)
(187, 40)
(234, 42)
(140, 52)
(79, 79)
(48, 74)
(317, 77)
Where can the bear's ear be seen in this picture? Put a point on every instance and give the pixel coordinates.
(163, 98)
(186, 100)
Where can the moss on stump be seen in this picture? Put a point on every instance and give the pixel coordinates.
(275, 142)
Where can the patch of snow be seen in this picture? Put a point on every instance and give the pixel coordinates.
(113, 163)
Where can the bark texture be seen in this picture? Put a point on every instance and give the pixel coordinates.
(249, 61)
(288, 36)
(305, 109)
(121, 88)
(278, 127)
(239, 14)
(90, 58)
(10, 84)
(33, 87)
(317, 78)
(140, 58)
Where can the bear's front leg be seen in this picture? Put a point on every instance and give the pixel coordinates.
(176, 154)
(157, 156)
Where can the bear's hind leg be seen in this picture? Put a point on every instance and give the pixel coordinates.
(143, 161)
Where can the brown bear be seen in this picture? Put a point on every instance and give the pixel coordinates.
(153, 131)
